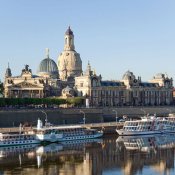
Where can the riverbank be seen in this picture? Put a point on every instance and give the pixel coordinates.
(59, 116)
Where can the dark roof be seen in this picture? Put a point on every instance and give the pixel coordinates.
(69, 31)
(35, 76)
(111, 83)
(147, 84)
(48, 65)
(8, 72)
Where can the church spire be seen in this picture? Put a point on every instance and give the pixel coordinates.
(88, 69)
(8, 72)
(47, 52)
(69, 40)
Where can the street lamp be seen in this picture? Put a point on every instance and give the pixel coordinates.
(143, 111)
(45, 118)
(116, 116)
(168, 110)
(84, 116)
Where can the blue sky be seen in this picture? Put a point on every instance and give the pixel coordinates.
(114, 35)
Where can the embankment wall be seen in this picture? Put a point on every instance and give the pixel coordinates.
(11, 117)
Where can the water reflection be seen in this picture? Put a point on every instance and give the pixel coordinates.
(147, 154)
(111, 155)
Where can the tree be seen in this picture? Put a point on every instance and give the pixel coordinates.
(75, 101)
(1, 88)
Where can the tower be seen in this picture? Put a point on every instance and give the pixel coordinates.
(69, 61)
(69, 40)
(8, 72)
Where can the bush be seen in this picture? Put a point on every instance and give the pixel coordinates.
(75, 101)
(30, 101)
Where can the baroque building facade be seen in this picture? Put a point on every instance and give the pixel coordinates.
(67, 79)
(129, 91)
(25, 86)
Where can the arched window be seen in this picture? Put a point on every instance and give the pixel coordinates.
(94, 82)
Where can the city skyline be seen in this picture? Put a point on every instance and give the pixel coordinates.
(114, 36)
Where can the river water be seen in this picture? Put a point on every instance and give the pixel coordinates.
(153, 155)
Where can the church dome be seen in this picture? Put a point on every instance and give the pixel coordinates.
(69, 61)
(48, 68)
(128, 76)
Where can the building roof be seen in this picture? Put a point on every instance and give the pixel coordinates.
(147, 84)
(128, 75)
(8, 72)
(48, 66)
(112, 83)
(69, 31)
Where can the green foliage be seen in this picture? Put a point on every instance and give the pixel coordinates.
(75, 101)
(18, 102)
(30, 101)
(1, 88)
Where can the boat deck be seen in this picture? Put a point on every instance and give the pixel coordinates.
(107, 127)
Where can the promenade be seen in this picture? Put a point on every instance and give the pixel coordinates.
(61, 116)
(108, 127)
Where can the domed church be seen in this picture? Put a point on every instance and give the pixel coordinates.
(50, 79)
(67, 79)
(47, 67)
(69, 61)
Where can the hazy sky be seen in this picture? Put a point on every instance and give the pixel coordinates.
(114, 35)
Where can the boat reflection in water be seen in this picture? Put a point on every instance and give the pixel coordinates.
(8, 151)
(110, 155)
(147, 154)
(73, 148)
(38, 158)
(147, 142)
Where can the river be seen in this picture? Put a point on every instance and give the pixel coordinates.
(153, 155)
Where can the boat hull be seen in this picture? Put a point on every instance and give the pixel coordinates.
(130, 133)
(18, 142)
(81, 137)
(135, 133)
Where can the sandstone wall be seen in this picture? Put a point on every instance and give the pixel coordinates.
(9, 118)
(55, 116)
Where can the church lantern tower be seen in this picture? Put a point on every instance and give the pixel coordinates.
(69, 61)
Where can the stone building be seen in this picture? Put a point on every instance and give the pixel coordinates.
(67, 79)
(26, 85)
(69, 61)
(49, 71)
(50, 79)
(128, 91)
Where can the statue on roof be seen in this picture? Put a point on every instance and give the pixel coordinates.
(26, 69)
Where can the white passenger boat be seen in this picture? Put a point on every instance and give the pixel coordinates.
(64, 133)
(8, 139)
(147, 126)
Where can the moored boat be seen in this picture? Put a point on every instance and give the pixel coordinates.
(8, 139)
(147, 126)
(64, 133)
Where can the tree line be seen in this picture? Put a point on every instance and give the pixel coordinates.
(46, 102)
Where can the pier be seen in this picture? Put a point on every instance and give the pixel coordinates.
(107, 127)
